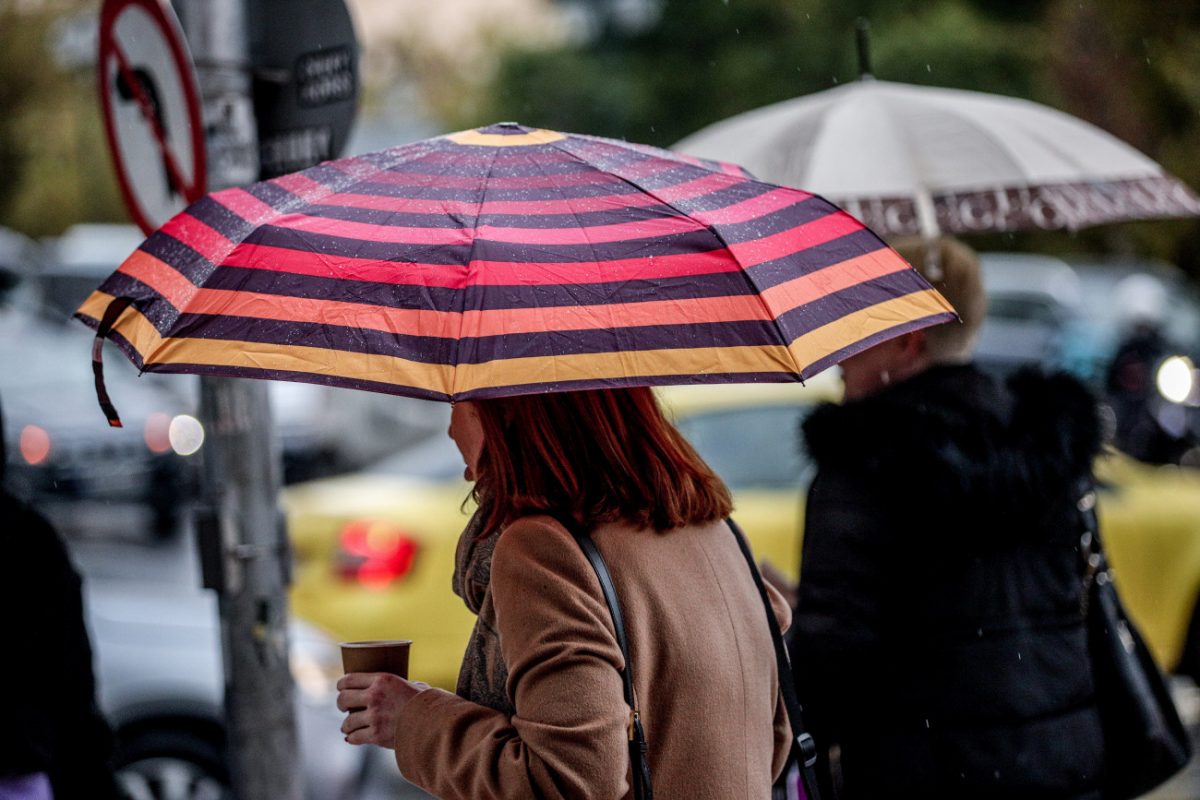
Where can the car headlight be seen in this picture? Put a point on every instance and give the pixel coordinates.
(1176, 379)
(316, 664)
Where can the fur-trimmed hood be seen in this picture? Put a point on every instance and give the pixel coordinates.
(954, 435)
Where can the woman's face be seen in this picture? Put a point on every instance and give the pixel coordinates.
(467, 432)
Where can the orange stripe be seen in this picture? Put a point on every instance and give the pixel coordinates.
(437, 377)
(815, 285)
(452, 324)
(159, 276)
(817, 344)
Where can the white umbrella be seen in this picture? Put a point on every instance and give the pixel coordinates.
(915, 159)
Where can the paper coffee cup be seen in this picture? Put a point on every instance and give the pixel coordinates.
(377, 656)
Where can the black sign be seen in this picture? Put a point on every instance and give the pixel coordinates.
(305, 60)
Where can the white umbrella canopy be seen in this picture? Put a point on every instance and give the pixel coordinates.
(911, 159)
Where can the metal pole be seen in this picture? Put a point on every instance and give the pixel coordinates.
(241, 535)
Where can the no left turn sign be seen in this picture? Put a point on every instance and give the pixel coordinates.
(151, 109)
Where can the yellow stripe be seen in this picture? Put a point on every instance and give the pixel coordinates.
(538, 136)
(634, 364)
(817, 344)
(437, 377)
(154, 349)
(805, 350)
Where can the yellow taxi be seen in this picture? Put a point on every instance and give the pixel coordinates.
(375, 550)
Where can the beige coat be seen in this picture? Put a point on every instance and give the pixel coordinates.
(704, 670)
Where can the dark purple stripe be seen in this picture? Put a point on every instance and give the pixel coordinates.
(276, 197)
(833, 307)
(835, 251)
(678, 244)
(712, 201)
(297, 377)
(820, 365)
(628, 383)
(186, 261)
(799, 213)
(599, 188)
(529, 164)
(482, 298)
(477, 394)
(475, 350)
(153, 306)
(220, 219)
(402, 219)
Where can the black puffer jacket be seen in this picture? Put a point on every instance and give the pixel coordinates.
(938, 637)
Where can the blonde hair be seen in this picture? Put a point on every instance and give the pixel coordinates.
(953, 269)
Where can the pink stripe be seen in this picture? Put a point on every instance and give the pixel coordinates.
(612, 202)
(200, 237)
(687, 190)
(303, 186)
(374, 233)
(480, 273)
(247, 206)
(796, 239)
(624, 231)
(753, 208)
(459, 182)
(620, 232)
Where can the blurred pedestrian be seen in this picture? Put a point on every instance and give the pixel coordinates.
(539, 710)
(54, 743)
(939, 642)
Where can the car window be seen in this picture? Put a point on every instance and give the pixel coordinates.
(755, 447)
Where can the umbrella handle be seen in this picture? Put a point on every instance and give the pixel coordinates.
(114, 310)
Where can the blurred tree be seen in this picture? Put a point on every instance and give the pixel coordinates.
(53, 159)
(708, 59)
(1132, 68)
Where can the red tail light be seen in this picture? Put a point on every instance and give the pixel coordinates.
(375, 553)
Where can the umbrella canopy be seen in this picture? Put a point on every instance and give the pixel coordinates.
(917, 159)
(509, 260)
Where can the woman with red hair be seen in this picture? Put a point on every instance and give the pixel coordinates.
(539, 709)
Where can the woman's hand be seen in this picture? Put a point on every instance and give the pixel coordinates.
(374, 700)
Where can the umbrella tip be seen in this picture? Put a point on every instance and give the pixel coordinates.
(862, 27)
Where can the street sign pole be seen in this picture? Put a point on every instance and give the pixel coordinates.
(243, 541)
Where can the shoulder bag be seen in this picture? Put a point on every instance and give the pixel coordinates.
(1145, 742)
(804, 751)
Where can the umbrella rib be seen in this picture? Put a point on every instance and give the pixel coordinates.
(757, 293)
(462, 294)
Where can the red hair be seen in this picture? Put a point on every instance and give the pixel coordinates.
(597, 456)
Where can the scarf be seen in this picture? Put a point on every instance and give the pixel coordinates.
(483, 674)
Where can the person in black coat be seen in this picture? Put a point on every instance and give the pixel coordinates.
(938, 640)
(50, 728)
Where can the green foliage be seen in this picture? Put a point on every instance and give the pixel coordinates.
(54, 165)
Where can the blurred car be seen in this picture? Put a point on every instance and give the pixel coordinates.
(375, 550)
(1129, 327)
(160, 683)
(323, 430)
(1033, 302)
(65, 453)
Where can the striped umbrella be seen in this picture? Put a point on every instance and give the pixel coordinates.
(508, 260)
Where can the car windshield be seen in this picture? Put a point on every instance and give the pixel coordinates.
(752, 447)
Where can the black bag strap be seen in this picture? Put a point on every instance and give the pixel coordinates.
(639, 759)
(804, 749)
